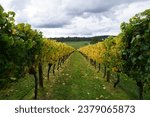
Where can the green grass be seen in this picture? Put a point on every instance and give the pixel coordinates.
(77, 44)
(79, 81)
(17, 90)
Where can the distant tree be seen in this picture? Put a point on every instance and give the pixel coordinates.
(94, 40)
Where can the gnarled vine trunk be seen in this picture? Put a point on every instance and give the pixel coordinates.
(54, 69)
(99, 67)
(140, 85)
(32, 71)
(118, 80)
(108, 76)
(104, 71)
(40, 75)
(49, 68)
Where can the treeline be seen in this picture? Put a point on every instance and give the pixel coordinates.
(127, 54)
(95, 38)
(23, 50)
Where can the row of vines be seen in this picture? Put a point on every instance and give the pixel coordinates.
(128, 53)
(24, 50)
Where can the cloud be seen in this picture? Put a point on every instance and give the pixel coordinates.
(75, 17)
(92, 6)
(18, 5)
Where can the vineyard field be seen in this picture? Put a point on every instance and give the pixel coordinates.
(77, 79)
(113, 68)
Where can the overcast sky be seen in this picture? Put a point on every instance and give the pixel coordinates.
(56, 18)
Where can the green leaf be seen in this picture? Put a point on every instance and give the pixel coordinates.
(133, 60)
(148, 61)
(140, 57)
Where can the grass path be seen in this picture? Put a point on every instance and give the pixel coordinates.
(79, 80)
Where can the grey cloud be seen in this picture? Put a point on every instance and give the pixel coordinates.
(68, 9)
(51, 25)
(77, 17)
(78, 7)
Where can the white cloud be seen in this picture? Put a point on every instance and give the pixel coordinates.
(127, 11)
(75, 17)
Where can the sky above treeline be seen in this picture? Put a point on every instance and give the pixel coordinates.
(57, 18)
